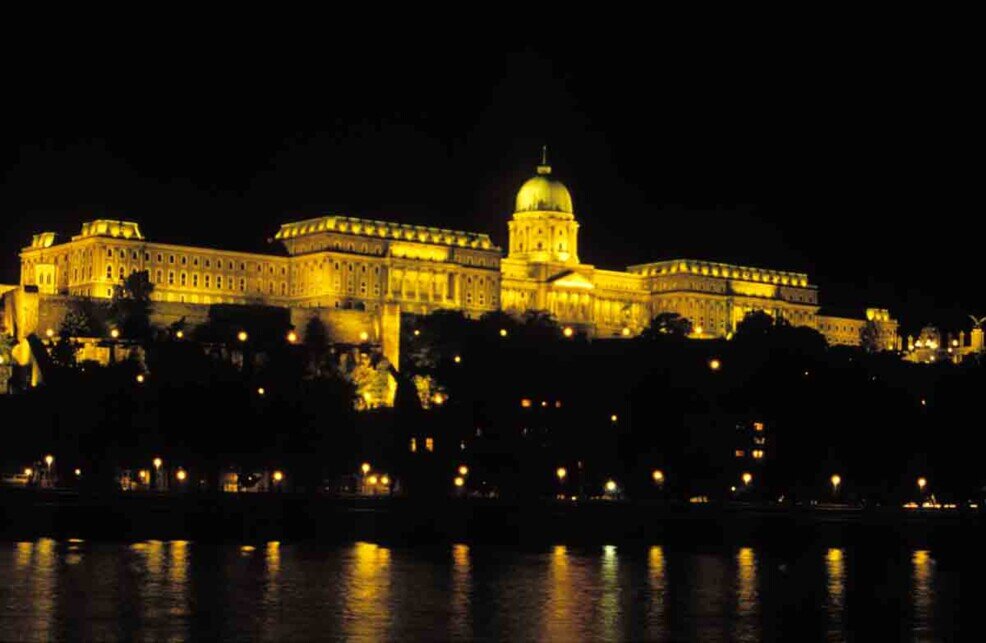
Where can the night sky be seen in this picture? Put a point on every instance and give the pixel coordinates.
(848, 153)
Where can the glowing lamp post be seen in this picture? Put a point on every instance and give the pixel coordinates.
(568, 331)
(457, 359)
(611, 486)
(49, 460)
(115, 333)
(561, 473)
(836, 480)
(657, 476)
(292, 337)
(747, 478)
(242, 336)
(365, 468)
(278, 478)
(614, 418)
(503, 332)
(463, 470)
(181, 475)
(922, 483)
(714, 364)
(459, 482)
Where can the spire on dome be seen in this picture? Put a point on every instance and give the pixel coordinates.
(544, 168)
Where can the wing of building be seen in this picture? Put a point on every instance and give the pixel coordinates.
(358, 275)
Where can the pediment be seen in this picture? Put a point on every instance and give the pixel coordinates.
(571, 279)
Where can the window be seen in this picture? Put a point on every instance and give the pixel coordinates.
(242, 285)
(171, 259)
(123, 254)
(208, 263)
(184, 278)
(159, 257)
(219, 281)
(133, 255)
(171, 277)
(157, 277)
(414, 445)
(195, 280)
(109, 252)
(207, 280)
(109, 271)
(430, 444)
(147, 256)
(184, 260)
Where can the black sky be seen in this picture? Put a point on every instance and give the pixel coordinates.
(849, 151)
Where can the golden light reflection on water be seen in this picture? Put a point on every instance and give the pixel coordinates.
(367, 610)
(461, 622)
(560, 605)
(657, 584)
(747, 595)
(923, 589)
(835, 584)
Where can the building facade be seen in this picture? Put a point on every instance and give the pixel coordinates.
(366, 272)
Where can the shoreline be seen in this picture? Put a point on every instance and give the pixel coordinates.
(240, 517)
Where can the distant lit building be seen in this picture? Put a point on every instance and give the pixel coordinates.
(931, 346)
(358, 275)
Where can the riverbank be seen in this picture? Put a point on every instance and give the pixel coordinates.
(259, 517)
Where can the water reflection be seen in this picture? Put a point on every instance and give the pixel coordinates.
(922, 591)
(657, 586)
(367, 582)
(835, 585)
(461, 622)
(287, 591)
(747, 596)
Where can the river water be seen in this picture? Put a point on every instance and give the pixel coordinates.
(178, 590)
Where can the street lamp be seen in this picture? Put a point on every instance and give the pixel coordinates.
(922, 483)
(463, 470)
(459, 481)
(613, 418)
(115, 333)
(715, 364)
(372, 480)
(611, 486)
(658, 476)
(242, 336)
(278, 476)
(385, 480)
(503, 332)
(181, 475)
(157, 462)
(140, 378)
(365, 468)
(49, 460)
(561, 472)
(836, 480)
(567, 331)
(292, 337)
(747, 478)
(457, 359)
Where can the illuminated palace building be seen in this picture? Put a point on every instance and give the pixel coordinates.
(358, 275)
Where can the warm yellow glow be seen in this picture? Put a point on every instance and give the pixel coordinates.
(613, 418)
(261, 390)
(429, 444)
(242, 336)
(922, 483)
(610, 486)
(417, 333)
(278, 476)
(561, 472)
(715, 364)
(292, 337)
(457, 359)
(757, 454)
(414, 445)
(625, 332)
(49, 459)
(758, 426)
(459, 481)
(503, 332)
(28, 471)
(657, 475)
(140, 378)
(385, 480)
(836, 480)
(372, 480)
(180, 334)
(698, 330)
(143, 474)
(747, 477)
(49, 333)
(115, 334)
(365, 468)
(363, 336)
(181, 475)
(463, 470)
(78, 472)
(157, 462)
(567, 331)
(438, 399)
(525, 403)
